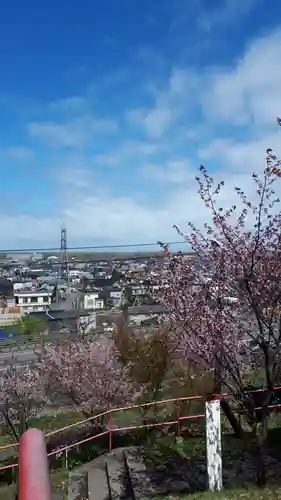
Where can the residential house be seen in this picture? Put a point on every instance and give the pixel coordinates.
(37, 257)
(33, 300)
(18, 286)
(87, 323)
(90, 299)
(75, 273)
(112, 295)
(146, 314)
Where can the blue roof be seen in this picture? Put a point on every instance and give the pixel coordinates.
(9, 332)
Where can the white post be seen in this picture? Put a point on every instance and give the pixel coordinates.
(213, 442)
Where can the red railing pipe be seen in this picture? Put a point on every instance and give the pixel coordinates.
(34, 479)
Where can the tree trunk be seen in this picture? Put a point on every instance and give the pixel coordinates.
(234, 422)
(259, 434)
(217, 377)
(232, 419)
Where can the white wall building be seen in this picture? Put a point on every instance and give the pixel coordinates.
(33, 300)
(91, 301)
(87, 323)
(115, 294)
(75, 273)
(19, 286)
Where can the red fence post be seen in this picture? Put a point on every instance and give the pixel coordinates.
(34, 480)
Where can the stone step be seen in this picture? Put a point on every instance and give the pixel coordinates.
(58, 496)
(117, 475)
(141, 484)
(147, 483)
(76, 486)
(98, 483)
(81, 477)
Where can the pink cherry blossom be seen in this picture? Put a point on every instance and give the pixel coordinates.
(229, 292)
(87, 374)
(22, 397)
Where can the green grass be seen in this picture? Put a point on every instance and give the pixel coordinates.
(159, 448)
(269, 493)
(5, 438)
(46, 423)
(8, 492)
(59, 483)
(49, 423)
(52, 422)
(134, 416)
(56, 421)
(193, 448)
(238, 456)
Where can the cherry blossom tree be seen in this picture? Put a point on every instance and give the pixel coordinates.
(225, 298)
(86, 374)
(22, 397)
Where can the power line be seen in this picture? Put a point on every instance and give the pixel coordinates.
(100, 247)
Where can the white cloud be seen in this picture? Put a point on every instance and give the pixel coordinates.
(157, 121)
(128, 151)
(241, 156)
(25, 229)
(101, 217)
(20, 153)
(170, 104)
(104, 126)
(73, 177)
(245, 93)
(56, 134)
(106, 159)
(94, 216)
(69, 105)
(173, 172)
(74, 133)
(237, 104)
(250, 91)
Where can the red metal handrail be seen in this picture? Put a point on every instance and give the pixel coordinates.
(112, 429)
(126, 408)
(34, 479)
(110, 412)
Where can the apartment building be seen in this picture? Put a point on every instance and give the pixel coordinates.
(33, 300)
(92, 301)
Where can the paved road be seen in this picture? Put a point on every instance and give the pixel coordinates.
(21, 357)
(22, 353)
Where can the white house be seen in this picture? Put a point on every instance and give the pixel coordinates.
(115, 296)
(19, 286)
(33, 300)
(87, 323)
(75, 273)
(91, 301)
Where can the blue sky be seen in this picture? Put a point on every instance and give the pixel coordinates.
(107, 109)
